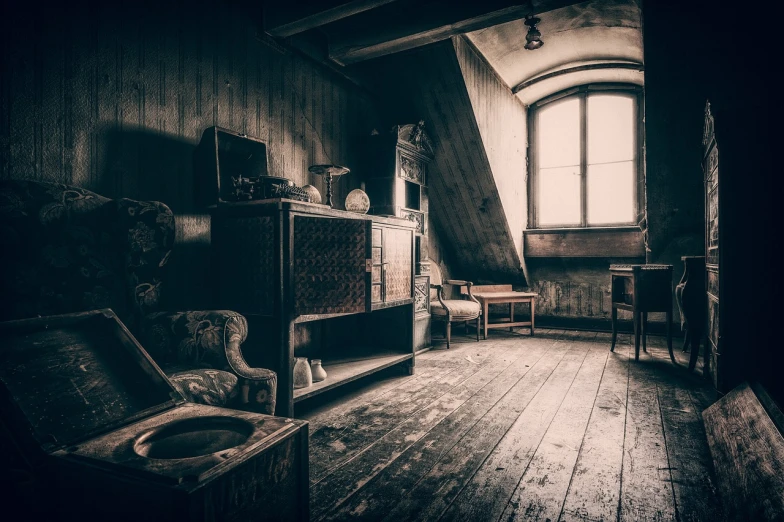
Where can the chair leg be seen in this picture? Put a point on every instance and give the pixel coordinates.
(477, 328)
(645, 332)
(533, 310)
(614, 328)
(669, 336)
(448, 333)
(637, 335)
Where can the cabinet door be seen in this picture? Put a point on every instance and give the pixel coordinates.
(330, 265)
(398, 264)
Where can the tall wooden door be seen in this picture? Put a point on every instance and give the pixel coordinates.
(711, 174)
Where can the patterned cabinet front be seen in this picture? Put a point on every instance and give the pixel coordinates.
(330, 274)
(392, 264)
(245, 254)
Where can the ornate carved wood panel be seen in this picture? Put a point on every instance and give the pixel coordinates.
(251, 260)
(416, 217)
(398, 269)
(422, 295)
(328, 265)
(412, 169)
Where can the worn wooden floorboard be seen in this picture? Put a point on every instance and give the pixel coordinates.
(372, 422)
(487, 492)
(594, 491)
(521, 428)
(543, 486)
(379, 454)
(433, 493)
(396, 478)
(646, 481)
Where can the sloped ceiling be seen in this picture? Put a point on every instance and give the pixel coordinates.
(590, 33)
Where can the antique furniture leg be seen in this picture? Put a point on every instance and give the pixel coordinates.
(637, 335)
(448, 333)
(484, 311)
(695, 347)
(614, 327)
(533, 306)
(477, 328)
(645, 332)
(669, 335)
(511, 316)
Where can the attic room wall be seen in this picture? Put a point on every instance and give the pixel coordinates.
(114, 98)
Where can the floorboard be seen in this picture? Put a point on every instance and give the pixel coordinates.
(552, 427)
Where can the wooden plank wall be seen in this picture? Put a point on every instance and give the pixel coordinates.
(501, 118)
(114, 98)
(464, 199)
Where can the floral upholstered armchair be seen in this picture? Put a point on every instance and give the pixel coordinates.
(68, 250)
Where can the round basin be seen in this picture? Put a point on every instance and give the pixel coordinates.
(195, 437)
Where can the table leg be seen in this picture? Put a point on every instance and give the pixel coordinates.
(636, 335)
(669, 336)
(485, 319)
(533, 306)
(645, 332)
(511, 315)
(614, 327)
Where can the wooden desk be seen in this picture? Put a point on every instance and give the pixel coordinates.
(503, 294)
(641, 289)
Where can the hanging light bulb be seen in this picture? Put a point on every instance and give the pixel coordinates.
(534, 37)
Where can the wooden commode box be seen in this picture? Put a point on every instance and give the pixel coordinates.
(95, 431)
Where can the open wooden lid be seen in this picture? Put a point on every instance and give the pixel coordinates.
(67, 378)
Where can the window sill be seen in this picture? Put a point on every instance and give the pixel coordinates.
(584, 242)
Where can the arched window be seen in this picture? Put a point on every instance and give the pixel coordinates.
(585, 158)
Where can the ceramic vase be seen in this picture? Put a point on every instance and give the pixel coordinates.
(302, 375)
(319, 374)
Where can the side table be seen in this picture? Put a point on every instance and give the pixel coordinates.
(641, 289)
(503, 294)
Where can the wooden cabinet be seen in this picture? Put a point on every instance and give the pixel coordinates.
(395, 168)
(319, 283)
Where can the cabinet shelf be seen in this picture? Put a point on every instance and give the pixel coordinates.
(346, 369)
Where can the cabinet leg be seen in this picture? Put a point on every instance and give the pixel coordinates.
(645, 332)
(636, 336)
(410, 367)
(669, 336)
(614, 326)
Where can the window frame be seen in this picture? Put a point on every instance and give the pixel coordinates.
(581, 92)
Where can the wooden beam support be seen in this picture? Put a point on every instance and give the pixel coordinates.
(284, 19)
(409, 24)
(578, 68)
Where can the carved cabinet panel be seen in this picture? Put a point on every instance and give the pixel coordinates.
(712, 246)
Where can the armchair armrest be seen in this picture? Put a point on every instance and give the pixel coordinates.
(210, 339)
(467, 284)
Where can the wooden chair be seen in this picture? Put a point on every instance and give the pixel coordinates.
(452, 310)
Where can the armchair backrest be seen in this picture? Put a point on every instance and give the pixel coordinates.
(68, 250)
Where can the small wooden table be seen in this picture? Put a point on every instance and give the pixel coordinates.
(641, 289)
(503, 294)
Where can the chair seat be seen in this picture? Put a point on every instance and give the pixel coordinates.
(459, 309)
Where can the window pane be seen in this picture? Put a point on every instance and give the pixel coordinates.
(610, 193)
(610, 128)
(558, 133)
(559, 196)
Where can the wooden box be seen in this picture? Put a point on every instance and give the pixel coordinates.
(95, 431)
(222, 155)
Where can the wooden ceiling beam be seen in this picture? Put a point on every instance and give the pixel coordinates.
(284, 19)
(412, 23)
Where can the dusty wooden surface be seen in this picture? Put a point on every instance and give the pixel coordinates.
(553, 427)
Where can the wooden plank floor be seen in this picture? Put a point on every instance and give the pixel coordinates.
(548, 428)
